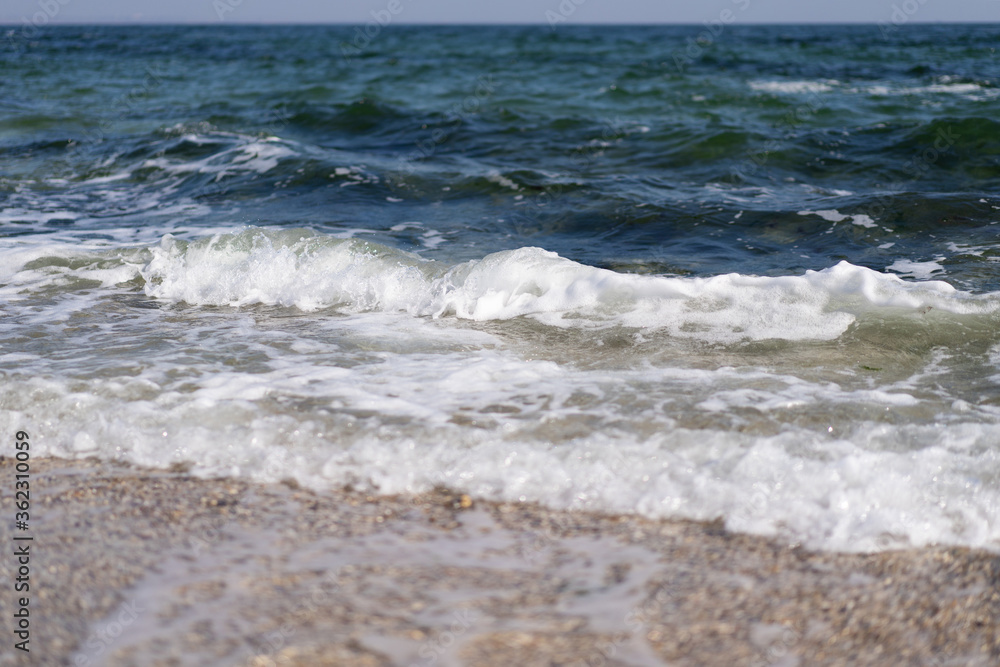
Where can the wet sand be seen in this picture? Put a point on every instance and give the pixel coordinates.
(148, 568)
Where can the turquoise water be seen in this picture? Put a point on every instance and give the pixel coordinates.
(619, 268)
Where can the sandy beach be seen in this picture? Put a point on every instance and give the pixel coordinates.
(147, 567)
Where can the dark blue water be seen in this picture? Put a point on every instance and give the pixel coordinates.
(611, 146)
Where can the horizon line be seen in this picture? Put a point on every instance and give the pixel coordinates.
(541, 24)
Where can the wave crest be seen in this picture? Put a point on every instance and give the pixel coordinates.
(298, 268)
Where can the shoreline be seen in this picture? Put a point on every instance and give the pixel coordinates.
(134, 566)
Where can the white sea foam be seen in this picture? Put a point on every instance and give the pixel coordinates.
(507, 428)
(834, 215)
(919, 270)
(521, 376)
(312, 272)
(793, 87)
(256, 156)
(968, 90)
(498, 178)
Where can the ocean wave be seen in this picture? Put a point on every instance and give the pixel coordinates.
(310, 271)
(362, 115)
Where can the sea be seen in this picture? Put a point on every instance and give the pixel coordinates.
(718, 271)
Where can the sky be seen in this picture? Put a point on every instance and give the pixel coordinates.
(544, 12)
